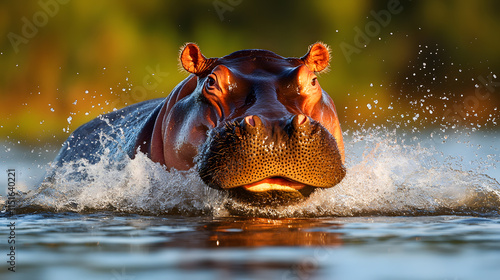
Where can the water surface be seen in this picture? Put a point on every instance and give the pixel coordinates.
(409, 208)
(110, 246)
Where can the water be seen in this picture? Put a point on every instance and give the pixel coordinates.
(111, 246)
(411, 207)
(388, 174)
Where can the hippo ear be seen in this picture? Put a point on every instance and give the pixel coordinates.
(193, 60)
(317, 58)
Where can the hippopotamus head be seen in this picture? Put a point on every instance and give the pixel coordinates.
(253, 123)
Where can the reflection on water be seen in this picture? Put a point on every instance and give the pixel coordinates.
(110, 246)
(259, 232)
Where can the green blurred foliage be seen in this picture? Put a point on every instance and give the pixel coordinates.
(88, 57)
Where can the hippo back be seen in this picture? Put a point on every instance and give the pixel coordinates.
(117, 134)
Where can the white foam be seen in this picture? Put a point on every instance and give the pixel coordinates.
(384, 177)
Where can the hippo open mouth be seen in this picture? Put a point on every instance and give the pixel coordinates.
(273, 191)
(280, 161)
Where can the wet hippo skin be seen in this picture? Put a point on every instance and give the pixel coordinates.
(252, 123)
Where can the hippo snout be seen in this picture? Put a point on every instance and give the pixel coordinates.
(289, 155)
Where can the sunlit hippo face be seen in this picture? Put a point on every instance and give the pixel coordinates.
(273, 135)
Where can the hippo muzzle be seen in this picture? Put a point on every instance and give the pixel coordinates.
(281, 160)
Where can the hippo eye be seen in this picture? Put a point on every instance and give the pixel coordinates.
(210, 81)
(314, 82)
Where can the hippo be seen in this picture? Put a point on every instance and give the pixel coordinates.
(254, 124)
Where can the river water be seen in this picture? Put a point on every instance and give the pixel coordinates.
(411, 207)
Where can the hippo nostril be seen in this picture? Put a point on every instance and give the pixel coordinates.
(252, 124)
(249, 120)
(300, 121)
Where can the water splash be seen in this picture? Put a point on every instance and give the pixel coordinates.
(133, 186)
(385, 177)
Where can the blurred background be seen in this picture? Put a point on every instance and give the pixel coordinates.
(409, 65)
